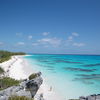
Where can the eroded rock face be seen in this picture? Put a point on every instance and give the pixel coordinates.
(27, 88)
(34, 84)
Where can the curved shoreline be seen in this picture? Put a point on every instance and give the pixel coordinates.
(16, 68)
(19, 68)
(45, 88)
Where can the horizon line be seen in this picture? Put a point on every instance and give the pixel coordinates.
(64, 54)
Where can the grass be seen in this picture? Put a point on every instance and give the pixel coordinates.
(7, 82)
(32, 76)
(19, 98)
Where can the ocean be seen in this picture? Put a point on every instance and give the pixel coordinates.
(69, 75)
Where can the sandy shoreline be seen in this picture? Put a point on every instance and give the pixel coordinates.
(18, 68)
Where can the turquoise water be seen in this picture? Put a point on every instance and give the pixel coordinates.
(69, 75)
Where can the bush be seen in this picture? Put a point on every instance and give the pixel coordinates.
(1, 71)
(7, 82)
(19, 98)
(32, 76)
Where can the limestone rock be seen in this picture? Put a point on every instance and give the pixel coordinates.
(27, 88)
(33, 85)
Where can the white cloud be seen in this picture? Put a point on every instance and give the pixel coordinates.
(70, 38)
(30, 37)
(20, 43)
(71, 41)
(46, 33)
(52, 41)
(35, 44)
(78, 44)
(75, 34)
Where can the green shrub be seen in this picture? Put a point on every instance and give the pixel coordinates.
(19, 98)
(32, 76)
(7, 82)
(1, 71)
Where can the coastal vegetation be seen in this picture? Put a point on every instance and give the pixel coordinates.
(32, 76)
(1, 71)
(6, 82)
(6, 55)
(19, 98)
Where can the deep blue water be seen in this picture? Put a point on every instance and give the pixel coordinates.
(70, 75)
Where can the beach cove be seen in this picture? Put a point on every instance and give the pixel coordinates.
(58, 81)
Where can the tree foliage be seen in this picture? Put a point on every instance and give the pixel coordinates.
(6, 55)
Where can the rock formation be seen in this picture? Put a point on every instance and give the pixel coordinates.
(27, 88)
(91, 97)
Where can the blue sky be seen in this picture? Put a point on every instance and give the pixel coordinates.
(50, 26)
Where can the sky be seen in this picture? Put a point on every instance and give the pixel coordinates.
(50, 26)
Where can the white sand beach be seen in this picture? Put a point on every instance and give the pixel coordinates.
(18, 68)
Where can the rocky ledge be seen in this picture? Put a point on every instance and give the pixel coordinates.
(91, 97)
(26, 88)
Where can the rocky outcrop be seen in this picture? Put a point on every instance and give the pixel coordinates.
(33, 85)
(91, 97)
(27, 88)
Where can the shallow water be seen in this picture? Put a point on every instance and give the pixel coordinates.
(70, 75)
